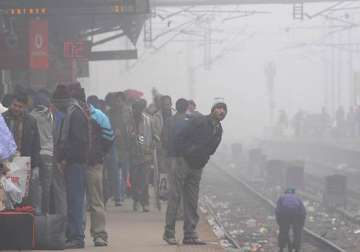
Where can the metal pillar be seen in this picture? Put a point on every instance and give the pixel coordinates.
(298, 11)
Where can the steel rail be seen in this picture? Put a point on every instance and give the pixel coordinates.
(315, 238)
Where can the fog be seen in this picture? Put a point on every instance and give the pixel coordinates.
(240, 49)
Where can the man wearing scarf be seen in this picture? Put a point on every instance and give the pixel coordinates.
(72, 146)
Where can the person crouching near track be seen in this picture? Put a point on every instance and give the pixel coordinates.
(290, 214)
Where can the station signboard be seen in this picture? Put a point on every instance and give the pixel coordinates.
(74, 7)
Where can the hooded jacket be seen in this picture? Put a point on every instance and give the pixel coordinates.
(45, 122)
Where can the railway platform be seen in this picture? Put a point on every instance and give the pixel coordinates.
(142, 232)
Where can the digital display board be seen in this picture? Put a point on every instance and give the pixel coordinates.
(74, 7)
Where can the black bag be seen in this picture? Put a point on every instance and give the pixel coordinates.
(16, 231)
(50, 232)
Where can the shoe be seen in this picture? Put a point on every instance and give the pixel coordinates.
(193, 241)
(100, 242)
(170, 240)
(74, 244)
(145, 209)
(135, 206)
(118, 203)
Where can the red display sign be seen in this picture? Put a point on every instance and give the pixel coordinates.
(76, 49)
(39, 44)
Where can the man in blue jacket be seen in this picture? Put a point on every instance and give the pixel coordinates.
(102, 138)
(290, 214)
(194, 145)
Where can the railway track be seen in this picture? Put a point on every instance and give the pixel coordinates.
(246, 215)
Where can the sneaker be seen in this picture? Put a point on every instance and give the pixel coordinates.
(145, 209)
(74, 244)
(118, 203)
(170, 240)
(135, 206)
(193, 241)
(100, 242)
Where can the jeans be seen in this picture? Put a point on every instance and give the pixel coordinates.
(75, 185)
(59, 191)
(46, 174)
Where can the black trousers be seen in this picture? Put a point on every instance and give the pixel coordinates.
(286, 223)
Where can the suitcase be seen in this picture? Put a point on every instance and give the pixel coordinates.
(16, 231)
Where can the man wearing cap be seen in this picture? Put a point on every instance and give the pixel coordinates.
(194, 145)
(72, 145)
(290, 214)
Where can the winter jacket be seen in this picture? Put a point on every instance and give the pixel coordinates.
(290, 204)
(45, 122)
(141, 141)
(30, 140)
(75, 148)
(198, 141)
(107, 133)
(122, 121)
(102, 136)
(173, 126)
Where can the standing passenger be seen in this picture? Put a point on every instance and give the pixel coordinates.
(194, 146)
(141, 156)
(72, 154)
(101, 140)
(45, 121)
(24, 128)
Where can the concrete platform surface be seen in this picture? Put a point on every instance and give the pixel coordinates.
(142, 232)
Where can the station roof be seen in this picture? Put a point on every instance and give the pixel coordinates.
(232, 2)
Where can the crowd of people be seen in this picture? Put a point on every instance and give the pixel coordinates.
(87, 152)
(320, 125)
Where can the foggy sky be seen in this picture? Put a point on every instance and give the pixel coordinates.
(238, 75)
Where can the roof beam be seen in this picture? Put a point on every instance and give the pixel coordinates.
(177, 3)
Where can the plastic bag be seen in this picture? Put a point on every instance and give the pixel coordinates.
(7, 143)
(13, 192)
(20, 174)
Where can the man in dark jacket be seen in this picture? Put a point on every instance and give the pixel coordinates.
(24, 128)
(193, 147)
(26, 134)
(290, 214)
(72, 152)
(173, 126)
(121, 118)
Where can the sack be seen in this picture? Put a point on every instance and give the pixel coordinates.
(16, 231)
(7, 143)
(50, 232)
(20, 174)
